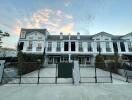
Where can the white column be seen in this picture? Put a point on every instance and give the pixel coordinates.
(69, 57)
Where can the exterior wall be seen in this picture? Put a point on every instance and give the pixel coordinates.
(102, 38)
(35, 38)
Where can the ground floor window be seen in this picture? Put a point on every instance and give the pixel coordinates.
(57, 59)
(65, 59)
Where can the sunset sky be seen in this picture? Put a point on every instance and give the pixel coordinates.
(67, 16)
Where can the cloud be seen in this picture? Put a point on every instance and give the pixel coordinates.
(67, 28)
(53, 20)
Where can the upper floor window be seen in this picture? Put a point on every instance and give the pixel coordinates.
(31, 38)
(130, 46)
(29, 48)
(98, 47)
(89, 46)
(80, 46)
(122, 45)
(58, 46)
(73, 46)
(66, 46)
(39, 38)
(108, 49)
(23, 33)
(97, 39)
(49, 46)
(39, 47)
(106, 39)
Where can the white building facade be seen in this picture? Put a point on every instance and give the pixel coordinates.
(64, 48)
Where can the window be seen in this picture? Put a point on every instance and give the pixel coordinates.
(50, 61)
(108, 49)
(87, 60)
(40, 38)
(20, 46)
(115, 47)
(97, 39)
(29, 48)
(31, 38)
(49, 46)
(39, 47)
(58, 46)
(98, 47)
(130, 46)
(23, 33)
(89, 46)
(122, 45)
(66, 46)
(106, 39)
(72, 46)
(80, 46)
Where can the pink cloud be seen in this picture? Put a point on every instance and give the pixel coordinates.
(46, 18)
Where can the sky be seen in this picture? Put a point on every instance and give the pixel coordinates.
(68, 16)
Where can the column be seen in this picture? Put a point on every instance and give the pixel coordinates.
(69, 57)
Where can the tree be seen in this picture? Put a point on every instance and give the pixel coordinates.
(2, 35)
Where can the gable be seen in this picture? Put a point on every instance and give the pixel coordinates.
(35, 35)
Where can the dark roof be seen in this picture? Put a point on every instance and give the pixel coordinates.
(116, 37)
(32, 30)
(102, 33)
(72, 37)
(127, 34)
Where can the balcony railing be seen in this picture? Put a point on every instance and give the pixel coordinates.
(99, 49)
(80, 49)
(38, 48)
(108, 49)
(49, 49)
(130, 49)
(90, 49)
(29, 48)
(58, 49)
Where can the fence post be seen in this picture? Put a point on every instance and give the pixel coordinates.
(95, 75)
(126, 77)
(1, 81)
(111, 76)
(20, 73)
(38, 74)
(56, 74)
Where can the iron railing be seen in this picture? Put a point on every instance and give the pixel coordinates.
(14, 73)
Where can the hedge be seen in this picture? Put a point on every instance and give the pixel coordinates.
(29, 62)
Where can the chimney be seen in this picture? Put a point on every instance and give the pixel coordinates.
(78, 35)
(61, 35)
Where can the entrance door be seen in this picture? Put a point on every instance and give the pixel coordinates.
(57, 60)
(65, 70)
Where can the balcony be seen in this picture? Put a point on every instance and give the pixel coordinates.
(38, 48)
(29, 48)
(130, 49)
(80, 49)
(108, 49)
(90, 49)
(49, 49)
(99, 49)
(58, 49)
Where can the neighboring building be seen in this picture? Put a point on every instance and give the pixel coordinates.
(63, 48)
(8, 52)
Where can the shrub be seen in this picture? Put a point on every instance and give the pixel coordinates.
(29, 62)
(9, 59)
(99, 62)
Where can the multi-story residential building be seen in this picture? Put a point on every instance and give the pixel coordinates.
(64, 48)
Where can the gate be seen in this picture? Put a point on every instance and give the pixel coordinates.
(65, 70)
